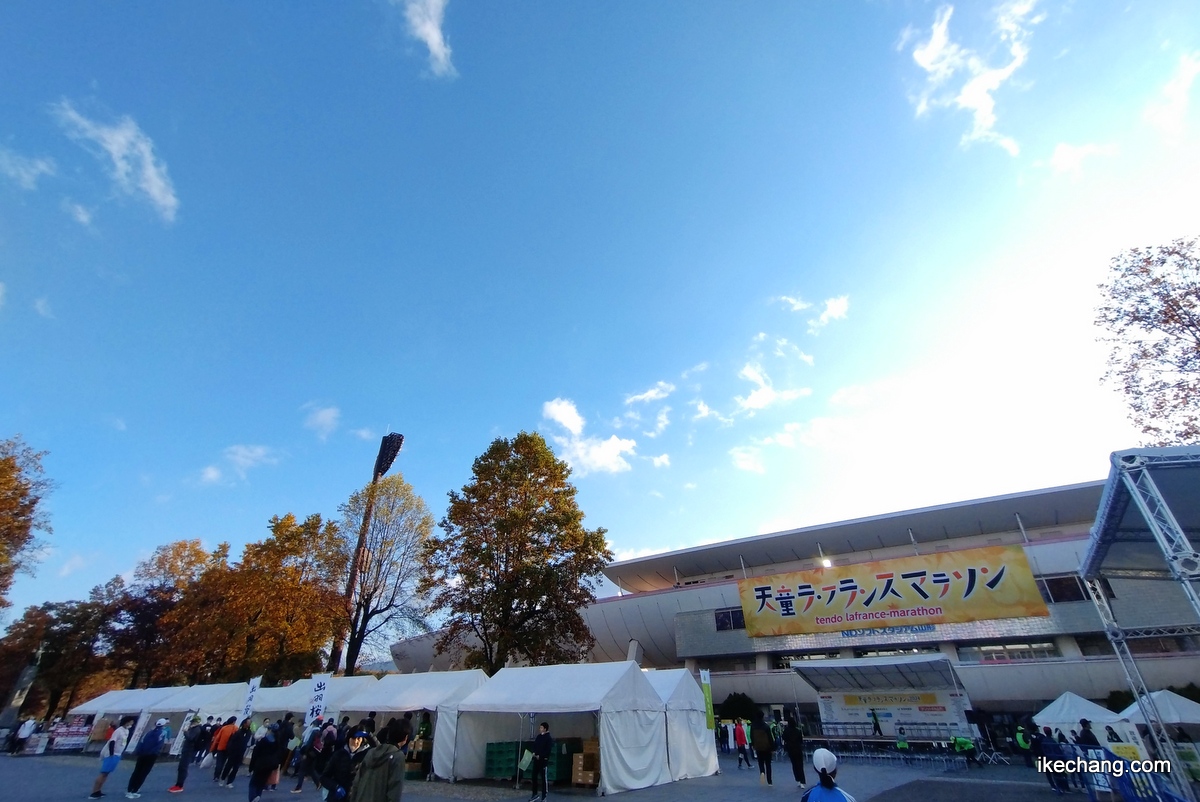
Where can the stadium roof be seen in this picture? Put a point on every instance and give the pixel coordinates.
(1055, 506)
(895, 673)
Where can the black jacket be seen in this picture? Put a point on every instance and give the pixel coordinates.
(238, 743)
(266, 756)
(339, 772)
(543, 747)
(793, 741)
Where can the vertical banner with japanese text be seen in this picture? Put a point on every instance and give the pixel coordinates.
(706, 687)
(317, 697)
(248, 705)
(942, 588)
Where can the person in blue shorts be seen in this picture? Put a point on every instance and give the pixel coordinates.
(110, 754)
(826, 790)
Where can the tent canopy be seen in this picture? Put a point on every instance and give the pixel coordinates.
(133, 700)
(1173, 708)
(400, 692)
(678, 689)
(228, 696)
(577, 688)
(931, 671)
(1070, 708)
(691, 748)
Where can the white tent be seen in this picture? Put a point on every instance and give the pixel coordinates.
(1173, 708)
(437, 692)
(691, 745)
(219, 701)
(127, 702)
(275, 703)
(1065, 712)
(612, 700)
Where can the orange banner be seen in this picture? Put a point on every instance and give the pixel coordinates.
(942, 588)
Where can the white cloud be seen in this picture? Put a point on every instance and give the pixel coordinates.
(765, 394)
(243, 458)
(661, 461)
(322, 420)
(363, 434)
(1069, 158)
(796, 304)
(1168, 111)
(633, 554)
(134, 166)
(689, 486)
(586, 454)
(784, 349)
(834, 309)
(563, 412)
(425, 18)
(661, 422)
(119, 424)
(703, 411)
(747, 458)
(79, 213)
(42, 307)
(700, 368)
(3, 289)
(656, 393)
(944, 61)
(23, 171)
(71, 565)
(786, 438)
(210, 475)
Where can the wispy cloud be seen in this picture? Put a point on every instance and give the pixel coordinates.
(661, 422)
(1168, 111)
(563, 412)
(747, 458)
(79, 213)
(586, 454)
(656, 393)
(765, 394)
(24, 171)
(958, 76)
(3, 291)
(42, 307)
(322, 420)
(795, 304)
(784, 348)
(363, 434)
(210, 474)
(703, 411)
(694, 369)
(71, 565)
(244, 457)
(133, 165)
(425, 18)
(834, 309)
(661, 461)
(1068, 159)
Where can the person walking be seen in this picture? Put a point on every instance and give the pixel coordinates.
(966, 747)
(24, 733)
(368, 724)
(209, 729)
(1087, 738)
(235, 753)
(793, 745)
(110, 754)
(764, 746)
(875, 729)
(739, 740)
(380, 775)
(220, 745)
(193, 740)
(147, 751)
(310, 748)
(826, 790)
(543, 748)
(338, 777)
(284, 736)
(264, 761)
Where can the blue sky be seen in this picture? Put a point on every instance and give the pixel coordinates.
(747, 266)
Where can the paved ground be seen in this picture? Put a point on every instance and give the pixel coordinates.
(53, 778)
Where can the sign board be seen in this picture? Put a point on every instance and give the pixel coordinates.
(706, 687)
(248, 705)
(138, 730)
(317, 697)
(942, 588)
(70, 733)
(898, 708)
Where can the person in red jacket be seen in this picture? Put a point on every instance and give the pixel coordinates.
(739, 740)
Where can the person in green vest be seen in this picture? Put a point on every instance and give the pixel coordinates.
(1025, 744)
(902, 745)
(966, 747)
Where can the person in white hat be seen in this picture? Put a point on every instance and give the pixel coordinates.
(826, 790)
(147, 751)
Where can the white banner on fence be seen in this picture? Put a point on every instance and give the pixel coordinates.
(317, 698)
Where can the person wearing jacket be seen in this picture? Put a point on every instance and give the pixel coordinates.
(147, 751)
(286, 734)
(764, 747)
(235, 752)
(380, 775)
(793, 745)
(193, 738)
(543, 748)
(826, 790)
(264, 761)
(739, 740)
(110, 754)
(220, 743)
(338, 777)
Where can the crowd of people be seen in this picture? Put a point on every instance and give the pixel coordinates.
(348, 763)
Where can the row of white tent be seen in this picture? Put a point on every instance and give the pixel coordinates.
(1110, 728)
(652, 725)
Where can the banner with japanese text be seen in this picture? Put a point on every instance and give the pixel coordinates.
(251, 692)
(942, 588)
(317, 698)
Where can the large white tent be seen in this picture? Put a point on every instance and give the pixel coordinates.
(129, 702)
(613, 701)
(1065, 712)
(436, 692)
(691, 745)
(1173, 708)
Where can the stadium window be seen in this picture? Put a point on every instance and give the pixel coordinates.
(730, 618)
(1007, 652)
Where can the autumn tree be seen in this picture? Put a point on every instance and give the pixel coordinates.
(1151, 312)
(385, 599)
(514, 564)
(23, 487)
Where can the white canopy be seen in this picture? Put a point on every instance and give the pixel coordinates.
(691, 745)
(1173, 708)
(226, 698)
(276, 702)
(1069, 708)
(612, 700)
(126, 702)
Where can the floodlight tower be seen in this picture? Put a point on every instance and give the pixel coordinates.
(389, 448)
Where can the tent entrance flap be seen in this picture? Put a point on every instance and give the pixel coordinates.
(917, 671)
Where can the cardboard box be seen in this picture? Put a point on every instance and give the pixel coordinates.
(591, 746)
(421, 745)
(585, 778)
(585, 761)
